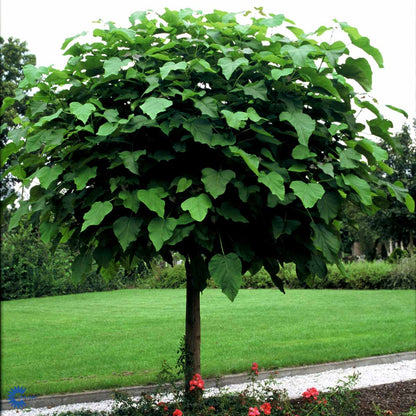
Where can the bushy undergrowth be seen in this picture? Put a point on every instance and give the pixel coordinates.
(359, 275)
(29, 269)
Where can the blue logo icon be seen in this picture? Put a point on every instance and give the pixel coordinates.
(17, 397)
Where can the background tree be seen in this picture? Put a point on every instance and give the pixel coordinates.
(396, 223)
(14, 55)
(228, 143)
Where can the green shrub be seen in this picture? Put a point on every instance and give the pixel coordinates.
(397, 254)
(173, 277)
(403, 275)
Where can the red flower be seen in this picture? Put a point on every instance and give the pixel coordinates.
(311, 393)
(253, 411)
(255, 368)
(163, 404)
(177, 412)
(196, 383)
(266, 408)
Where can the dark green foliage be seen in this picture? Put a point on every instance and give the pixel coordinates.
(14, 55)
(228, 143)
(30, 269)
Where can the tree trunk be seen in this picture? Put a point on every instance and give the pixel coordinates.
(411, 244)
(192, 330)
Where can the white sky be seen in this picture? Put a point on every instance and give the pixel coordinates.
(390, 25)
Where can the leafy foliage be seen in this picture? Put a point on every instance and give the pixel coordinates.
(198, 134)
(14, 55)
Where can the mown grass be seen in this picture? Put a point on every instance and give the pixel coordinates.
(113, 339)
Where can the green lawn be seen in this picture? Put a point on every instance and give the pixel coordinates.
(113, 339)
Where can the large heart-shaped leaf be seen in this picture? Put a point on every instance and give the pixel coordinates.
(308, 193)
(226, 270)
(160, 230)
(96, 214)
(126, 229)
(197, 206)
(216, 181)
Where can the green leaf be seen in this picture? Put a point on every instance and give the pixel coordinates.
(230, 212)
(274, 182)
(160, 230)
(106, 129)
(48, 231)
(9, 149)
(410, 203)
(83, 176)
(319, 80)
(371, 147)
(362, 42)
(226, 270)
(7, 102)
(256, 90)
(98, 211)
(360, 186)
(130, 200)
(103, 256)
(392, 107)
(130, 160)
(113, 66)
(197, 206)
(46, 119)
(359, 70)
(326, 241)
(81, 111)
(252, 161)
(183, 185)
(207, 106)
(47, 175)
(327, 168)
(81, 266)
(152, 198)
(216, 181)
(235, 120)
(252, 115)
(153, 106)
(349, 158)
(308, 193)
(201, 130)
(303, 124)
(18, 214)
(171, 66)
(278, 73)
(301, 152)
(126, 229)
(299, 55)
(329, 206)
(228, 66)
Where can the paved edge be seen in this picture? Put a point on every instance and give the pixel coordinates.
(99, 395)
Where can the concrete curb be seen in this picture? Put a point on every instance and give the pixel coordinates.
(99, 395)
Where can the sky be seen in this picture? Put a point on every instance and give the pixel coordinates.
(390, 26)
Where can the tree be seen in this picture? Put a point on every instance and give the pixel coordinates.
(396, 222)
(228, 143)
(14, 55)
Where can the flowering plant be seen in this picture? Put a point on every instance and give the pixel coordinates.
(196, 383)
(311, 394)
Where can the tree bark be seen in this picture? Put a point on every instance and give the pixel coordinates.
(192, 330)
(411, 243)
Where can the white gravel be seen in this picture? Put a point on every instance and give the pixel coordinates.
(370, 375)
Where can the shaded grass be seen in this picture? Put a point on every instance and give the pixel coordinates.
(113, 339)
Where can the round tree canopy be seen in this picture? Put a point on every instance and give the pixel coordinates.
(215, 136)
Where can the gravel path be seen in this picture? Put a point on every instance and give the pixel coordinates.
(370, 375)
